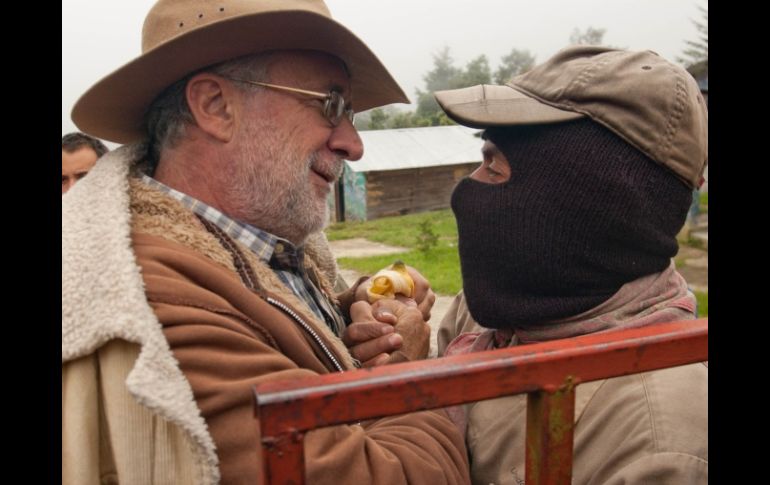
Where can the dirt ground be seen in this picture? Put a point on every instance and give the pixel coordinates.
(361, 248)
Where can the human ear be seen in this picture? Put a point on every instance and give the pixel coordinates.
(211, 101)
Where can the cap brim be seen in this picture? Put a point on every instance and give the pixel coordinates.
(492, 105)
(114, 108)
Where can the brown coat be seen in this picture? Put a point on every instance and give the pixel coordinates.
(637, 429)
(160, 393)
(228, 337)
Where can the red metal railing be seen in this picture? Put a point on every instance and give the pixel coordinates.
(547, 371)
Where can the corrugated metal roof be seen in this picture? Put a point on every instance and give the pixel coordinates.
(418, 147)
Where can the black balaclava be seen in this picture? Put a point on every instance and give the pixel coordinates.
(582, 214)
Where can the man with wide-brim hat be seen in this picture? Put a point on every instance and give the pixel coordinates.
(192, 263)
(569, 227)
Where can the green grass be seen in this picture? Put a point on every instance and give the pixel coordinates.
(704, 203)
(703, 303)
(441, 266)
(397, 230)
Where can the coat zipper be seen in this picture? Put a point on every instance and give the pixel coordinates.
(307, 328)
(248, 278)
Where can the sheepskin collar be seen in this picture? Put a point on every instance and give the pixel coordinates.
(103, 298)
(156, 213)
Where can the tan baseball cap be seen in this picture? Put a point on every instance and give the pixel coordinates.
(651, 103)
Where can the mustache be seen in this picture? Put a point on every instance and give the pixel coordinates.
(331, 169)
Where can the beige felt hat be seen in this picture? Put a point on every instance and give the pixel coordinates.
(651, 103)
(182, 36)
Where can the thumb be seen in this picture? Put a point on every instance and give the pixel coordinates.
(361, 311)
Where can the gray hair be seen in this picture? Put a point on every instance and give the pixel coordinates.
(169, 115)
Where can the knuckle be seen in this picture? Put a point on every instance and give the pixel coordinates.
(358, 306)
(413, 312)
(354, 332)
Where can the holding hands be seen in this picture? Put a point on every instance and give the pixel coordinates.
(388, 325)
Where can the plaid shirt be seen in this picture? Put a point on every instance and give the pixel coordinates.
(284, 259)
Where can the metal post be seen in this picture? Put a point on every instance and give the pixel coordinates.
(285, 458)
(550, 427)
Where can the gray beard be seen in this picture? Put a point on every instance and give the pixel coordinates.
(285, 206)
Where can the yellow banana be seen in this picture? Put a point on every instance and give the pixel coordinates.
(388, 282)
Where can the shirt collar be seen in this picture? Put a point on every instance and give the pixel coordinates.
(272, 249)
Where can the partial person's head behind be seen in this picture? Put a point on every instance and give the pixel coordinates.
(246, 106)
(589, 163)
(79, 153)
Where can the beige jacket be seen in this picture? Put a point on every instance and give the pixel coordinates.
(151, 300)
(128, 413)
(649, 428)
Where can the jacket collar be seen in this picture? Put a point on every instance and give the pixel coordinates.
(103, 297)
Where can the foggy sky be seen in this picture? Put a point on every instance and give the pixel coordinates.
(98, 36)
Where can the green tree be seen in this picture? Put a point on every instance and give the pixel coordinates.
(405, 119)
(591, 36)
(427, 239)
(391, 117)
(378, 119)
(443, 76)
(476, 72)
(516, 62)
(698, 50)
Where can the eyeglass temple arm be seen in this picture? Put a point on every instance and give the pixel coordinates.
(284, 88)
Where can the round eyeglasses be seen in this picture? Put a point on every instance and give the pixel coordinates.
(334, 106)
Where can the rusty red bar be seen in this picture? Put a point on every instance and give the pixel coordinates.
(284, 458)
(287, 408)
(550, 427)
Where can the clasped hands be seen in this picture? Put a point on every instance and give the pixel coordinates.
(390, 330)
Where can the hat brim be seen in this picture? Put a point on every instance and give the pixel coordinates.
(114, 108)
(486, 105)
